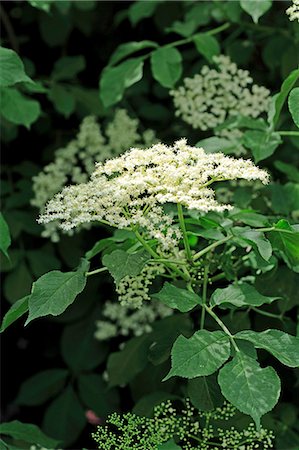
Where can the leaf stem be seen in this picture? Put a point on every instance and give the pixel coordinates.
(204, 296)
(288, 133)
(211, 247)
(223, 326)
(268, 314)
(184, 231)
(93, 272)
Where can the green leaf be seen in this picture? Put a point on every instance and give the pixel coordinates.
(141, 10)
(169, 445)
(239, 295)
(79, 349)
(251, 389)
(17, 310)
(177, 298)
(185, 29)
(128, 48)
(95, 395)
(44, 5)
(216, 144)
(200, 355)
(286, 239)
(5, 239)
(121, 264)
(166, 64)
(62, 99)
(68, 67)
(55, 291)
(12, 68)
(124, 365)
(255, 8)
(207, 46)
(283, 346)
(261, 143)
(293, 103)
(41, 386)
(28, 433)
(204, 393)
(115, 80)
(256, 239)
(291, 171)
(65, 418)
(282, 95)
(17, 108)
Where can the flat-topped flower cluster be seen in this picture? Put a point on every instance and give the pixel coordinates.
(293, 11)
(129, 191)
(215, 94)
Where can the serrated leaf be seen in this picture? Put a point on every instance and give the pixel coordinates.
(5, 239)
(207, 45)
(261, 143)
(124, 365)
(177, 298)
(256, 239)
(17, 310)
(286, 239)
(204, 393)
(255, 8)
(166, 64)
(12, 68)
(94, 393)
(239, 295)
(280, 98)
(283, 346)
(128, 48)
(293, 103)
(27, 432)
(115, 80)
(121, 264)
(65, 419)
(55, 291)
(17, 108)
(251, 389)
(200, 355)
(68, 67)
(41, 386)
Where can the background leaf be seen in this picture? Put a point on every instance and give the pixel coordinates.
(166, 64)
(177, 298)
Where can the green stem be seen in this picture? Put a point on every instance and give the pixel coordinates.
(288, 133)
(204, 296)
(217, 277)
(93, 272)
(268, 314)
(211, 247)
(184, 231)
(224, 327)
(155, 255)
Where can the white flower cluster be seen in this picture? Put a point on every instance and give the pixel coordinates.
(293, 11)
(128, 191)
(74, 163)
(125, 319)
(214, 95)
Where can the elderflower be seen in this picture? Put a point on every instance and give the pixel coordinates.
(191, 429)
(74, 163)
(130, 191)
(293, 11)
(213, 95)
(125, 319)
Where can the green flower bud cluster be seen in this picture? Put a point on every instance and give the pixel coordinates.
(74, 163)
(190, 428)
